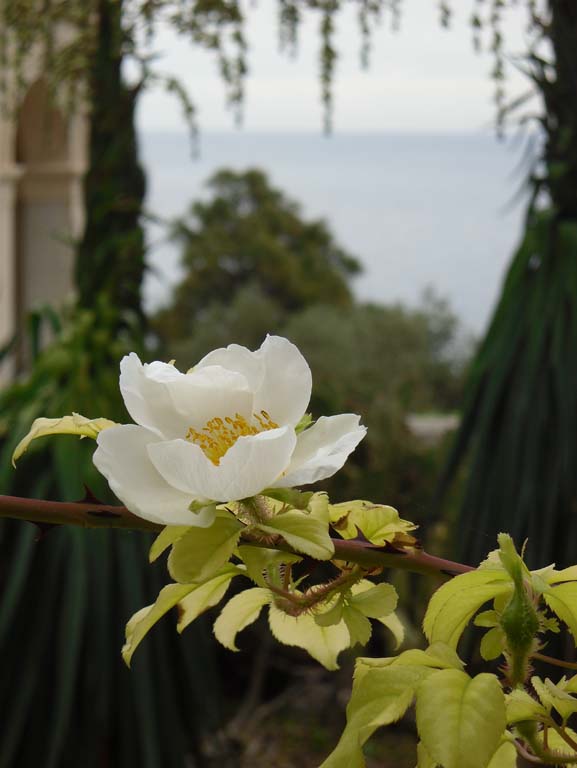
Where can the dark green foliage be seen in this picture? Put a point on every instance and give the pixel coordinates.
(520, 415)
(251, 233)
(65, 594)
(110, 256)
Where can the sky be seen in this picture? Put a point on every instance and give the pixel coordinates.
(422, 79)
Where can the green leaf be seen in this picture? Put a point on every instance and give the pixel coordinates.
(521, 706)
(378, 523)
(487, 619)
(261, 560)
(334, 614)
(358, 625)
(504, 757)
(304, 533)
(372, 600)
(243, 609)
(165, 539)
(65, 425)
(567, 574)
(460, 720)
(394, 625)
(493, 644)
(144, 619)
(444, 656)
(204, 597)
(454, 604)
(323, 643)
(291, 496)
(305, 422)
(555, 696)
(437, 656)
(318, 507)
(424, 759)
(377, 699)
(562, 600)
(202, 551)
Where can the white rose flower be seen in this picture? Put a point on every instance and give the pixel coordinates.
(223, 431)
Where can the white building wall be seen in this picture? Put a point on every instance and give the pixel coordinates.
(43, 159)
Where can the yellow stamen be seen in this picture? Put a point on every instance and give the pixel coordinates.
(218, 435)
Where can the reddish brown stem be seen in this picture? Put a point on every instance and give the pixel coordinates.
(95, 515)
(553, 661)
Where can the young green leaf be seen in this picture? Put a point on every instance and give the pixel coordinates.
(290, 496)
(378, 699)
(243, 609)
(323, 643)
(378, 523)
(261, 561)
(555, 697)
(304, 533)
(201, 552)
(492, 644)
(504, 757)
(144, 619)
(562, 600)
(394, 625)
(520, 706)
(333, 615)
(358, 625)
(318, 507)
(460, 720)
(166, 539)
(65, 425)
(424, 759)
(204, 596)
(487, 619)
(567, 574)
(455, 603)
(373, 600)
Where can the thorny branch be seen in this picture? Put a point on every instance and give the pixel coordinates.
(88, 514)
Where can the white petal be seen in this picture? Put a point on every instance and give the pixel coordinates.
(277, 373)
(122, 457)
(208, 392)
(252, 464)
(323, 449)
(239, 359)
(146, 395)
(169, 402)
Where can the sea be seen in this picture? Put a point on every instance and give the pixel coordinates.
(417, 210)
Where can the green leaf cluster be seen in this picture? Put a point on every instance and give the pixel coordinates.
(461, 720)
(322, 618)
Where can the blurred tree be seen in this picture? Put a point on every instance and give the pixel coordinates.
(250, 232)
(520, 417)
(68, 666)
(110, 254)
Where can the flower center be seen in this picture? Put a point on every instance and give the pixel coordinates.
(218, 435)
